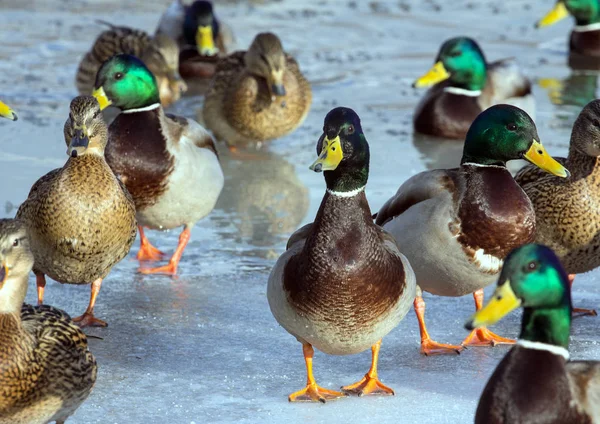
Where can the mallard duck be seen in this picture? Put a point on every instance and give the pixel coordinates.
(585, 36)
(168, 163)
(566, 211)
(536, 382)
(257, 95)
(342, 283)
(455, 226)
(81, 218)
(578, 89)
(7, 112)
(465, 85)
(202, 38)
(47, 371)
(159, 53)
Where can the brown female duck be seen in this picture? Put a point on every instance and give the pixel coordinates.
(81, 218)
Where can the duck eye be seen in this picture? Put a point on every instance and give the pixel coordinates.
(15, 242)
(531, 266)
(454, 53)
(511, 127)
(118, 76)
(596, 123)
(350, 129)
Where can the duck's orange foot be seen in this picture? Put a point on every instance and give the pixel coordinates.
(89, 320)
(484, 337)
(429, 348)
(314, 393)
(148, 252)
(582, 312)
(368, 386)
(169, 269)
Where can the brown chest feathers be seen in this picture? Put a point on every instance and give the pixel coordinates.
(344, 267)
(495, 213)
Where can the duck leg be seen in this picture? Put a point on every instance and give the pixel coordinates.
(590, 312)
(428, 346)
(88, 319)
(40, 282)
(171, 267)
(482, 336)
(312, 392)
(370, 384)
(147, 252)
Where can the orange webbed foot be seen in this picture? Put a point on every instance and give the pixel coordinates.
(484, 337)
(314, 393)
(169, 269)
(89, 320)
(149, 253)
(430, 348)
(582, 312)
(368, 386)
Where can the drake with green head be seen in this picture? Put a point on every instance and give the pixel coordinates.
(585, 36)
(168, 163)
(7, 112)
(455, 226)
(342, 284)
(464, 84)
(536, 382)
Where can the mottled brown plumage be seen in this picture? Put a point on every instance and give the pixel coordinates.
(159, 53)
(241, 106)
(568, 210)
(46, 370)
(81, 218)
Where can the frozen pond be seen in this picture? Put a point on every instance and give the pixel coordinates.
(204, 347)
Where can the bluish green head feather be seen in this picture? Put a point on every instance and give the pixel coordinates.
(465, 62)
(127, 82)
(585, 12)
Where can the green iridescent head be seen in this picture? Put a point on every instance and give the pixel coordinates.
(502, 133)
(585, 12)
(461, 62)
(125, 82)
(532, 277)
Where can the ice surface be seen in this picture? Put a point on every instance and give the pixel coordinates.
(204, 347)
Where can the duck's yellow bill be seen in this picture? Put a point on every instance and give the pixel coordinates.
(330, 156)
(205, 41)
(539, 157)
(558, 12)
(3, 274)
(437, 73)
(100, 95)
(7, 112)
(502, 302)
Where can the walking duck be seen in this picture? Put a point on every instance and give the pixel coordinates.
(81, 218)
(46, 369)
(257, 95)
(464, 84)
(567, 211)
(536, 381)
(342, 284)
(168, 163)
(455, 226)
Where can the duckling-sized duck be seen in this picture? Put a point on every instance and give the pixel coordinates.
(585, 36)
(168, 163)
(81, 218)
(455, 226)
(342, 284)
(566, 210)
(202, 38)
(536, 382)
(159, 53)
(7, 112)
(47, 371)
(257, 95)
(464, 84)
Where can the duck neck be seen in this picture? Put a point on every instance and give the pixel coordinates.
(580, 164)
(550, 326)
(12, 295)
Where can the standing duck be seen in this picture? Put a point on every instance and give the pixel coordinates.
(168, 163)
(80, 217)
(455, 226)
(464, 84)
(585, 36)
(7, 112)
(342, 284)
(536, 381)
(159, 53)
(567, 211)
(257, 95)
(46, 370)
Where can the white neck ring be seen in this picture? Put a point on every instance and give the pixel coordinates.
(556, 350)
(463, 91)
(346, 193)
(143, 109)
